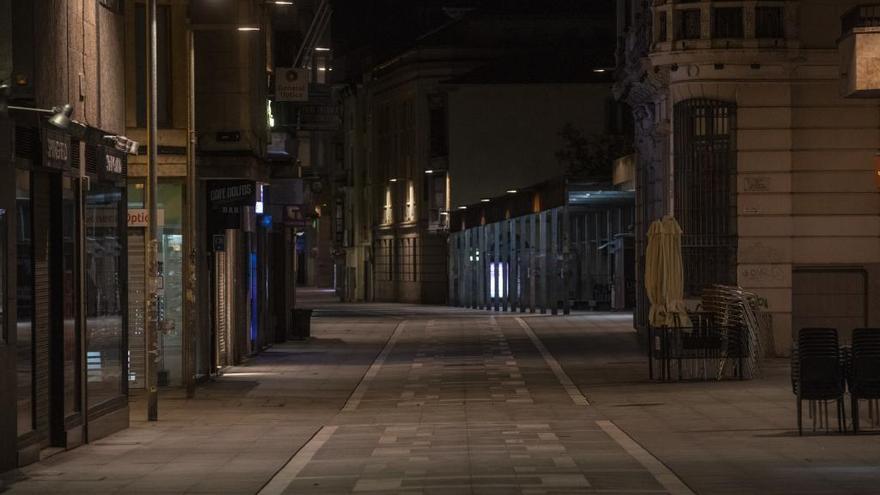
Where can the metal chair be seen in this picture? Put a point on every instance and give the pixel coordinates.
(863, 373)
(817, 374)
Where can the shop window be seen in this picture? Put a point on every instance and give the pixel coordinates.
(728, 23)
(24, 302)
(163, 64)
(69, 237)
(384, 258)
(104, 281)
(407, 258)
(688, 24)
(769, 22)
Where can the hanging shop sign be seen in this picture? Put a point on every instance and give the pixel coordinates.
(291, 84)
(111, 164)
(56, 149)
(231, 194)
(294, 216)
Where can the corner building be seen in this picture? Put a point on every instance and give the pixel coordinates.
(742, 132)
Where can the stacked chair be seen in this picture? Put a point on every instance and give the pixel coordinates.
(818, 374)
(863, 373)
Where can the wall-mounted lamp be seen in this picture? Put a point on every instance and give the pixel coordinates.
(248, 28)
(60, 115)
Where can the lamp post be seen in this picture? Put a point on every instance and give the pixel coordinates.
(151, 314)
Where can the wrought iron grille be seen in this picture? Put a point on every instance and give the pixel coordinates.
(705, 191)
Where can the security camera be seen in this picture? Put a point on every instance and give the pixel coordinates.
(124, 144)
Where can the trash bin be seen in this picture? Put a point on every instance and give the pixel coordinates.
(302, 324)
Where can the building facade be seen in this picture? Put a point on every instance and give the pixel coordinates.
(743, 134)
(64, 328)
(174, 103)
(398, 145)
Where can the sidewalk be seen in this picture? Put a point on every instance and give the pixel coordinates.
(729, 437)
(235, 434)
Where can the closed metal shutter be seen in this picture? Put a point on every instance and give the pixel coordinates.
(221, 320)
(136, 294)
(41, 211)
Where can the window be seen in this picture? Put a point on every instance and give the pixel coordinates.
(163, 63)
(769, 22)
(662, 29)
(105, 282)
(407, 258)
(24, 302)
(688, 25)
(728, 23)
(384, 258)
(69, 232)
(705, 191)
(438, 123)
(387, 208)
(410, 215)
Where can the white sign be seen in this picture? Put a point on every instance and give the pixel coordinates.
(140, 217)
(291, 84)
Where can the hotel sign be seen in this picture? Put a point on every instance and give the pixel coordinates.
(291, 84)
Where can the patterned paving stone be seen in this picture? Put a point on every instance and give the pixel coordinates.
(469, 406)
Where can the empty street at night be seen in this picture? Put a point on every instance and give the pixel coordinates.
(421, 247)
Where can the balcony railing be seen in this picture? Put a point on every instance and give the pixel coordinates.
(862, 16)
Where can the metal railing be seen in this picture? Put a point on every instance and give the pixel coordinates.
(862, 16)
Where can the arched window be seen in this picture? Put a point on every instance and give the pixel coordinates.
(705, 191)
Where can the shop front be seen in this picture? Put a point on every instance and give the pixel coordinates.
(105, 280)
(170, 196)
(69, 256)
(238, 239)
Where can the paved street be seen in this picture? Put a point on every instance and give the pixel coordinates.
(424, 400)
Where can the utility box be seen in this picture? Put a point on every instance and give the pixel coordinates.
(301, 329)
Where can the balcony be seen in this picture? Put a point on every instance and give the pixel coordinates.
(859, 49)
(687, 27)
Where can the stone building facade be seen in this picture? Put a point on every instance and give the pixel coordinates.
(743, 133)
(62, 330)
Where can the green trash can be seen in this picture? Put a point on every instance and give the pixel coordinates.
(302, 324)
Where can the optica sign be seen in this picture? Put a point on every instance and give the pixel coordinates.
(140, 217)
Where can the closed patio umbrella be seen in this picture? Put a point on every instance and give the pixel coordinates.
(653, 268)
(664, 275)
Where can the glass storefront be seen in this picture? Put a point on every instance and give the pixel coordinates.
(170, 306)
(24, 302)
(104, 298)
